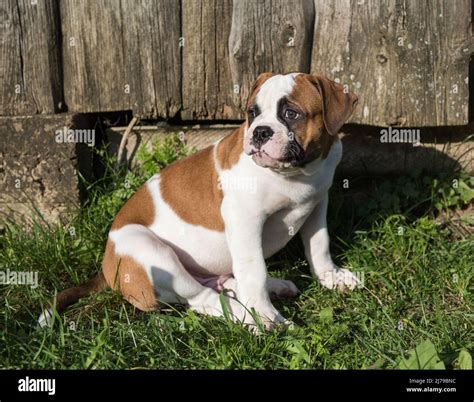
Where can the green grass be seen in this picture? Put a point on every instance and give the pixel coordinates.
(410, 236)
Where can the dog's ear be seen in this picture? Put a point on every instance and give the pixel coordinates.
(258, 83)
(337, 103)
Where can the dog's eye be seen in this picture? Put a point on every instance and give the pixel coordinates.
(291, 114)
(252, 113)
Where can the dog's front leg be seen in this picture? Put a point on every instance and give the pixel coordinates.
(244, 237)
(315, 237)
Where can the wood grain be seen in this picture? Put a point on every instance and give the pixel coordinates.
(407, 60)
(207, 83)
(30, 71)
(122, 55)
(268, 36)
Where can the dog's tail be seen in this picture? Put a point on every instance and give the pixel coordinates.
(72, 295)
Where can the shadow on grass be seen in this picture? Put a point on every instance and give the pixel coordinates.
(356, 203)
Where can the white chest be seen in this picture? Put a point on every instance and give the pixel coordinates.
(286, 201)
(280, 227)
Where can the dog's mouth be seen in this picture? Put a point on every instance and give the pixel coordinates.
(294, 154)
(292, 157)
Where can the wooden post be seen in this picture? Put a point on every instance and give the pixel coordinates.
(122, 55)
(30, 71)
(207, 83)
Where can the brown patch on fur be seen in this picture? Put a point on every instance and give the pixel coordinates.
(311, 132)
(230, 148)
(190, 187)
(128, 277)
(326, 106)
(139, 209)
(337, 103)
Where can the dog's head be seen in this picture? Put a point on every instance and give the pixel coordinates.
(293, 119)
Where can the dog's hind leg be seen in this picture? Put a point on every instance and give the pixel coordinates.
(146, 270)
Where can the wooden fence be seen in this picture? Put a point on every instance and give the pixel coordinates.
(408, 60)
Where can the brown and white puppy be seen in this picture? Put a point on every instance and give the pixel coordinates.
(206, 223)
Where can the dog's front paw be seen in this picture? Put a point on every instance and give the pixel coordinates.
(340, 279)
(268, 316)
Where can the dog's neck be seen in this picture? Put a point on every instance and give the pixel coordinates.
(310, 169)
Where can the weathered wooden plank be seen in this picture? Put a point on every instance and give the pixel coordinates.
(30, 73)
(207, 84)
(268, 36)
(408, 60)
(122, 54)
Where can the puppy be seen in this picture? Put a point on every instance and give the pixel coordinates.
(205, 224)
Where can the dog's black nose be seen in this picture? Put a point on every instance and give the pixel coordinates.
(261, 134)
